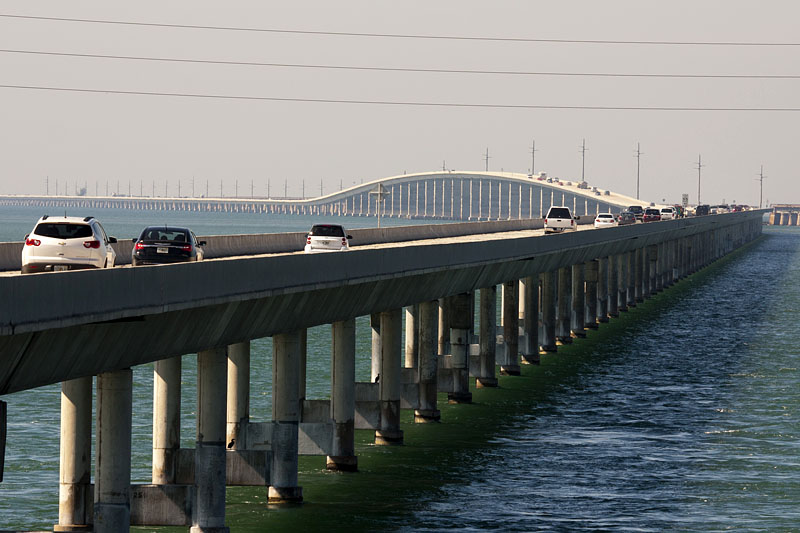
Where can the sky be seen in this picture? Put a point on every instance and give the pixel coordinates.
(277, 136)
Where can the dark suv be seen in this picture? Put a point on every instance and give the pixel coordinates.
(637, 210)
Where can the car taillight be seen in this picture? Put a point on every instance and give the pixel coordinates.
(139, 246)
(344, 241)
(32, 242)
(308, 239)
(571, 222)
(91, 244)
(186, 247)
(545, 221)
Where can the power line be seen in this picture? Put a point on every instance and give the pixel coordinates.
(404, 69)
(399, 35)
(396, 102)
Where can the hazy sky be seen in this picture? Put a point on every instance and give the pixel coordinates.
(99, 137)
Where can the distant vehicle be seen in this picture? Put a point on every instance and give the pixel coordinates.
(702, 210)
(668, 213)
(327, 238)
(637, 210)
(158, 245)
(679, 211)
(651, 214)
(558, 219)
(605, 220)
(625, 218)
(67, 243)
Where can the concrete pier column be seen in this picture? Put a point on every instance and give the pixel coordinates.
(209, 455)
(660, 264)
(622, 282)
(590, 304)
(652, 256)
(630, 279)
(511, 328)
(646, 258)
(286, 413)
(428, 361)
(112, 486)
(577, 317)
(343, 396)
(389, 383)
(412, 336)
(375, 326)
(487, 337)
(76, 453)
(530, 322)
(564, 305)
(613, 287)
(548, 311)
(166, 419)
(238, 395)
(459, 347)
(444, 326)
(602, 289)
(638, 270)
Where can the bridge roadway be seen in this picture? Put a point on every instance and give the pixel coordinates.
(68, 326)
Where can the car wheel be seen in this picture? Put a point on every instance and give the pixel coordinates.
(105, 263)
(134, 262)
(25, 269)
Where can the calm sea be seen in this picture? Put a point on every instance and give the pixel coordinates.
(682, 415)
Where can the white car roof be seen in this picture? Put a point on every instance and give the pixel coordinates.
(71, 220)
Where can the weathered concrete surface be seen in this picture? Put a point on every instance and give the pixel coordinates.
(64, 332)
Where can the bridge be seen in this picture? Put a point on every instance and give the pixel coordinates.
(435, 195)
(785, 215)
(103, 322)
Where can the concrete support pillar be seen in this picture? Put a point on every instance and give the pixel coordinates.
(590, 300)
(375, 326)
(613, 287)
(602, 289)
(286, 413)
(428, 361)
(343, 396)
(76, 449)
(389, 383)
(459, 347)
(638, 270)
(511, 328)
(622, 282)
(577, 317)
(412, 336)
(652, 256)
(238, 395)
(646, 257)
(487, 337)
(660, 264)
(630, 279)
(112, 487)
(166, 419)
(530, 322)
(564, 305)
(444, 327)
(548, 311)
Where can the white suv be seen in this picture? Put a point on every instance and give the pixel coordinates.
(67, 243)
(668, 213)
(558, 219)
(327, 238)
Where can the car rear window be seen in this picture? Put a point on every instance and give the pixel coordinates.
(327, 231)
(652, 212)
(165, 234)
(605, 215)
(63, 230)
(558, 212)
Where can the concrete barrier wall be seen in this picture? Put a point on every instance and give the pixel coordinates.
(272, 243)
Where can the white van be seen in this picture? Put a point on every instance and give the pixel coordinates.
(558, 219)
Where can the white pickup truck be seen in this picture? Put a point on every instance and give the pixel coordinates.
(558, 219)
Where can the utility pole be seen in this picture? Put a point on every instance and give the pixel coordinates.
(220, 188)
(269, 195)
(304, 189)
(320, 186)
(761, 177)
(444, 167)
(583, 160)
(638, 159)
(487, 160)
(47, 186)
(285, 187)
(380, 192)
(236, 189)
(179, 188)
(192, 186)
(166, 188)
(252, 190)
(699, 166)
(533, 157)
